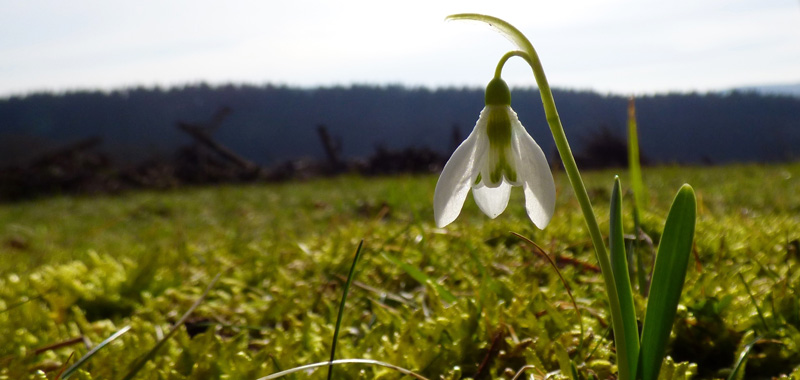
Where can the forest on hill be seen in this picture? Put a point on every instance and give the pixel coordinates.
(271, 124)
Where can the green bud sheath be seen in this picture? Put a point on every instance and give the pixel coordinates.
(497, 93)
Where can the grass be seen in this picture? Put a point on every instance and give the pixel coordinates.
(84, 267)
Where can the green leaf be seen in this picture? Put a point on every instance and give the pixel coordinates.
(669, 273)
(94, 350)
(755, 302)
(628, 341)
(139, 363)
(341, 306)
(564, 362)
(634, 166)
(422, 278)
(507, 30)
(738, 369)
(639, 193)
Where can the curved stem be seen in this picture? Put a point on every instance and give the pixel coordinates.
(505, 58)
(626, 357)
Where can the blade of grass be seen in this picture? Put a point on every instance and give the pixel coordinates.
(485, 280)
(564, 362)
(85, 358)
(379, 292)
(634, 165)
(597, 345)
(573, 370)
(742, 360)
(628, 345)
(64, 366)
(525, 368)
(278, 366)
(630, 250)
(755, 303)
(139, 363)
(563, 280)
(641, 272)
(344, 361)
(639, 194)
(422, 278)
(669, 273)
(232, 326)
(341, 305)
(18, 304)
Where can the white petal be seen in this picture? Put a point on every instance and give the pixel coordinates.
(534, 174)
(458, 176)
(492, 200)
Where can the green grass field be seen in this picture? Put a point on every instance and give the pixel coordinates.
(467, 301)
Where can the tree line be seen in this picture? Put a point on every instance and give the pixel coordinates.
(270, 124)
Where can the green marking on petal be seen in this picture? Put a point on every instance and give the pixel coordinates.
(511, 174)
(501, 167)
(498, 129)
(496, 174)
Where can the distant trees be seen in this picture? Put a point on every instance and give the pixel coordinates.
(269, 124)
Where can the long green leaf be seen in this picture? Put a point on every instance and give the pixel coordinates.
(669, 273)
(422, 278)
(18, 304)
(139, 363)
(639, 194)
(634, 165)
(755, 302)
(628, 346)
(564, 362)
(341, 306)
(740, 362)
(94, 350)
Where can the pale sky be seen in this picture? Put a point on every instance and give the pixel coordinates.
(616, 46)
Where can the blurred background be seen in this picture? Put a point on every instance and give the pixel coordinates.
(107, 95)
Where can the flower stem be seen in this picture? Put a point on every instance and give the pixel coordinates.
(627, 357)
(505, 58)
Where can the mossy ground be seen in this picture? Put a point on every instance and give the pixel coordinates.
(84, 267)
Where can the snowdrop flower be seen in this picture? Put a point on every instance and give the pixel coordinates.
(498, 154)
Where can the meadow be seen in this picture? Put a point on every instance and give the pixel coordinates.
(471, 300)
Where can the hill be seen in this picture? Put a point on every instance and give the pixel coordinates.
(270, 124)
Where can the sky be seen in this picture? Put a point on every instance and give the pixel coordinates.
(626, 47)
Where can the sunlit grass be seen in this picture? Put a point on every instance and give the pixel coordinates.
(88, 266)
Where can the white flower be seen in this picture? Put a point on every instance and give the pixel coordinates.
(498, 154)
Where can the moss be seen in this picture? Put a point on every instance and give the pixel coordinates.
(93, 265)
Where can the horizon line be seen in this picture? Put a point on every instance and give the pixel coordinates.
(793, 86)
